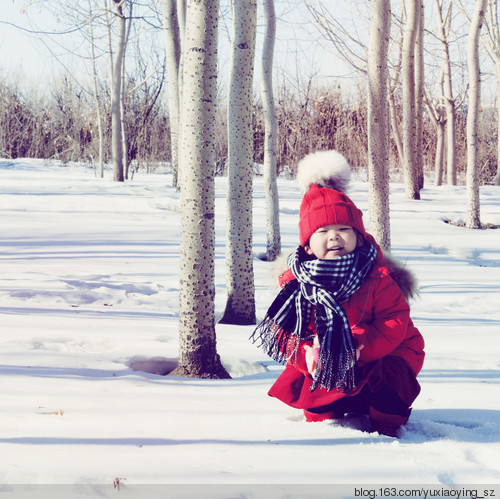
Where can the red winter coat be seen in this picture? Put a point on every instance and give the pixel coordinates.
(379, 316)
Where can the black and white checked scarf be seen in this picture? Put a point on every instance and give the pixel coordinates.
(323, 285)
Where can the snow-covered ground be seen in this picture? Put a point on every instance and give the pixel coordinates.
(89, 288)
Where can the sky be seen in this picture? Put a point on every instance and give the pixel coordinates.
(20, 49)
(22, 53)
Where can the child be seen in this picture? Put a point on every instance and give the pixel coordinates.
(341, 322)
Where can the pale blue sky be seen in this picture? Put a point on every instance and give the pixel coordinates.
(18, 48)
(22, 53)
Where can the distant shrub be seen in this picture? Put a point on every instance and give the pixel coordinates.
(63, 126)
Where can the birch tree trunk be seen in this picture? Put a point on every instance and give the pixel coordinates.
(173, 55)
(123, 118)
(394, 85)
(181, 18)
(436, 115)
(493, 50)
(449, 102)
(419, 96)
(439, 158)
(181, 15)
(395, 127)
(240, 307)
(378, 123)
(116, 86)
(197, 341)
(472, 220)
(270, 137)
(409, 131)
(497, 74)
(95, 92)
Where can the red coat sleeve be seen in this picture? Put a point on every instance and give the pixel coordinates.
(384, 322)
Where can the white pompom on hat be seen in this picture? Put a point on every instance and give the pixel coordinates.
(325, 169)
(323, 176)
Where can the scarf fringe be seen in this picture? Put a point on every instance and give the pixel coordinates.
(282, 346)
(275, 341)
(343, 379)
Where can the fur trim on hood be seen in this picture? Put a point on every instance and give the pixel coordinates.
(403, 277)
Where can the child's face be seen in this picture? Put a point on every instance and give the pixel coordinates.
(332, 241)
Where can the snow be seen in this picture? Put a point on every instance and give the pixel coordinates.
(89, 320)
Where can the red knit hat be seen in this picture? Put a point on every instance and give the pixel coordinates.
(324, 175)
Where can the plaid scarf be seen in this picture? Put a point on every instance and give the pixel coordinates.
(322, 285)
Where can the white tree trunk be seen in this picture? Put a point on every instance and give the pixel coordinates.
(181, 15)
(436, 115)
(95, 92)
(378, 123)
(173, 54)
(100, 132)
(123, 119)
(123, 125)
(473, 204)
(491, 41)
(197, 342)
(497, 74)
(449, 101)
(270, 137)
(395, 127)
(116, 130)
(419, 96)
(409, 131)
(439, 159)
(494, 52)
(240, 307)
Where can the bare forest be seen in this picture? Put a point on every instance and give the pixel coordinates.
(312, 113)
(63, 126)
